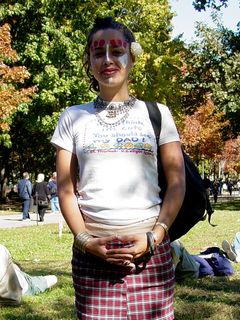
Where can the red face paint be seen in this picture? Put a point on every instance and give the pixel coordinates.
(114, 43)
(101, 43)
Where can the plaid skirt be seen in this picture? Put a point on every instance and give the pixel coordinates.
(106, 291)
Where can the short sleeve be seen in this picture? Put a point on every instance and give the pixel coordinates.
(63, 135)
(169, 131)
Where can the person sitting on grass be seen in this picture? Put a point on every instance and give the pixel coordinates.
(14, 283)
(232, 250)
(210, 262)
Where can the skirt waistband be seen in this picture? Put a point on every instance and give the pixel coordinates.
(103, 230)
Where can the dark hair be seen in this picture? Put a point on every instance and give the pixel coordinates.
(101, 24)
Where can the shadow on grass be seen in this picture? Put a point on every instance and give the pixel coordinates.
(201, 299)
(57, 308)
(228, 206)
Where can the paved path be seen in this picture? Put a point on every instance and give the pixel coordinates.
(15, 220)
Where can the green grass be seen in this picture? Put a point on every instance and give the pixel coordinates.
(40, 251)
(216, 298)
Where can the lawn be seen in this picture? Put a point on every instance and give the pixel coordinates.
(40, 251)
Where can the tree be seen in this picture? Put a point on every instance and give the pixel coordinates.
(201, 133)
(212, 67)
(203, 4)
(12, 96)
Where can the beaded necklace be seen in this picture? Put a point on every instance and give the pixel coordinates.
(113, 110)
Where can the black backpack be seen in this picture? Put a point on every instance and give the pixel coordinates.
(195, 200)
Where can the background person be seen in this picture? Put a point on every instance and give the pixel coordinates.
(229, 186)
(14, 283)
(24, 189)
(121, 232)
(41, 195)
(215, 190)
(207, 186)
(52, 186)
(238, 186)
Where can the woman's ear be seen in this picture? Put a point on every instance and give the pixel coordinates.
(132, 58)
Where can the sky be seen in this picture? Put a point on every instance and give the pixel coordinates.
(186, 16)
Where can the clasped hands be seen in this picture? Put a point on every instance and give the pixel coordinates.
(119, 250)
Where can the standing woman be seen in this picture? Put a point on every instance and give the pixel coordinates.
(40, 195)
(121, 265)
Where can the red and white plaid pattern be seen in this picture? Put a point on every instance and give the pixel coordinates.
(104, 291)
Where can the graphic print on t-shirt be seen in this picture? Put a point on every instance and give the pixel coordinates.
(131, 136)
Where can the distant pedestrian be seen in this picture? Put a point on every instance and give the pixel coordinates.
(229, 187)
(24, 189)
(215, 188)
(4, 190)
(238, 186)
(220, 185)
(41, 195)
(52, 186)
(207, 186)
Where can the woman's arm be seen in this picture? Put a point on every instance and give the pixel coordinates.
(173, 165)
(67, 167)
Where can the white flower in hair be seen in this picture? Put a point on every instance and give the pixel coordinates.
(136, 49)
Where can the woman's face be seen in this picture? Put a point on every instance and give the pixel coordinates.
(110, 59)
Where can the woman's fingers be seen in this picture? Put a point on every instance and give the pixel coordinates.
(124, 256)
(121, 262)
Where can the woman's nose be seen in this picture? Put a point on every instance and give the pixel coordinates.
(108, 58)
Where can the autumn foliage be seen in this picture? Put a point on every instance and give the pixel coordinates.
(231, 156)
(11, 79)
(202, 132)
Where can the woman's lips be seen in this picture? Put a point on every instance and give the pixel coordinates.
(109, 72)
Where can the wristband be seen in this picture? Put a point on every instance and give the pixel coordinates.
(163, 225)
(81, 241)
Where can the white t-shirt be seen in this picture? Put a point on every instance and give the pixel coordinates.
(117, 164)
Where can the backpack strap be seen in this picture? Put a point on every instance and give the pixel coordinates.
(156, 118)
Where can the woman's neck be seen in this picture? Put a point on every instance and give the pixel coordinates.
(114, 94)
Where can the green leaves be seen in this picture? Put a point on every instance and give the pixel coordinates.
(213, 68)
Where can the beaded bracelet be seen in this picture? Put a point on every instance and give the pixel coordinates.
(81, 240)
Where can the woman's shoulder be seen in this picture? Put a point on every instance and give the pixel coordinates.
(164, 109)
(75, 111)
(159, 104)
(80, 107)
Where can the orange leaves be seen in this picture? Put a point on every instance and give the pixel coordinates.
(6, 50)
(231, 155)
(13, 74)
(10, 76)
(202, 133)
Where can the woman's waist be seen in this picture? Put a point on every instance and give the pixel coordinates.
(101, 229)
